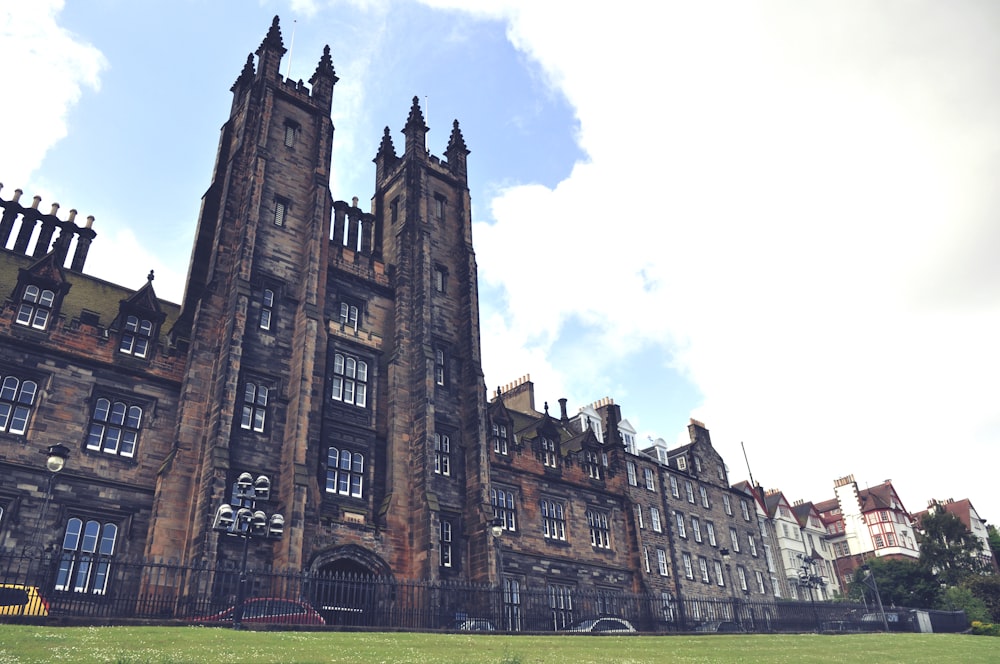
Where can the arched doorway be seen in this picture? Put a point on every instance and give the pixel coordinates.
(352, 586)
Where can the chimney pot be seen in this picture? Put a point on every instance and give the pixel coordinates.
(72, 216)
(55, 208)
(37, 200)
(562, 409)
(90, 221)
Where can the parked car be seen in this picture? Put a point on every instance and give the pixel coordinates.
(262, 610)
(604, 626)
(21, 600)
(475, 625)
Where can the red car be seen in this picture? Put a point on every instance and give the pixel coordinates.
(261, 610)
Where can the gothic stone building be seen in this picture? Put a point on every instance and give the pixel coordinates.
(336, 351)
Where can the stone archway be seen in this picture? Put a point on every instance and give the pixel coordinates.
(351, 586)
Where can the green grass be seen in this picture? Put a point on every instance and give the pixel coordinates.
(177, 645)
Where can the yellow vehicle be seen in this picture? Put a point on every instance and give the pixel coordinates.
(20, 600)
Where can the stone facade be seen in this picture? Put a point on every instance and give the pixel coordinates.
(335, 350)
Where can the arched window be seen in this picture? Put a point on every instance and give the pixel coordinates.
(254, 407)
(114, 427)
(349, 383)
(87, 550)
(36, 307)
(135, 336)
(345, 472)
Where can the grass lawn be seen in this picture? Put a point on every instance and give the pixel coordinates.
(174, 645)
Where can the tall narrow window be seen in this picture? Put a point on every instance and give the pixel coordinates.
(661, 562)
(280, 211)
(600, 533)
(87, 551)
(135, 336)
(561, 606)
(350, 380)
(266, 308)
(645, 558)
(439, 206)
(440, 371)
(511, 604)
(638, 516)
(440, 279)
(703, 568)
(696, 529)
(114, 427)
(688, 568)
(630, 472)
(703, 492)
(681, 528)
(734, 539)
(444, 538)
(744, 509)
(553, 520)
(674, 491)
(442, 454)
(654, 518)
(504, 509)
(752, 543)
(719, 578)
(36, 307)
(742, 574)
(727, 504)
(291, 133)
(17, 400)
(500, 438)
(345, 472)
(710, 531)
(650, 481)
(689, 491)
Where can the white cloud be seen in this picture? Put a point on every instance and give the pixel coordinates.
(789, 197)
(45, 69)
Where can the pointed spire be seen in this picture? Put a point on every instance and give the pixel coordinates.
(324, 78)
(246, 76)
(271, 50)
(456, 152)
(386, 148)
(416, 131)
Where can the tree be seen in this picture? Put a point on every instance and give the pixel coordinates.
(961, 598)
(948, 548)
(994, 537)
(900, 583)
(987, 589)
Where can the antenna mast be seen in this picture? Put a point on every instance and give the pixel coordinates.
(750, 472)
(291, 45)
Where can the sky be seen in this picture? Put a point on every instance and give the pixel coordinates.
(778, 218)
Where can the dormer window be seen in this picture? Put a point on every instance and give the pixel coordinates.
(500, 438)
(135, 336)
(549, 457)
(36, 307)
(592, 461)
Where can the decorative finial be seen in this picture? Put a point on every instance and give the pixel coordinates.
(149, 277)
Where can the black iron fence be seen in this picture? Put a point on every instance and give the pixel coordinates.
(92, 588)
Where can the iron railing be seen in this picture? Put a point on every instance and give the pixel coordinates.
(105, 590)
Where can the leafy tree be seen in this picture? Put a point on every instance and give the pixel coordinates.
(960, 598)
(948, 548)
(900, 583)
(987, 589)
(994, 537)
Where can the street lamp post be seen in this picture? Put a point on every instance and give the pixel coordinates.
(241, 518)
(57, 455)
(809, 579)
(496, 530)
(726, 557)
(870, 576)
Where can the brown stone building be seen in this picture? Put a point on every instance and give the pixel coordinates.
(336, 351)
